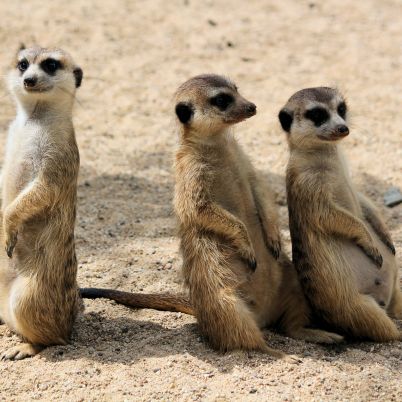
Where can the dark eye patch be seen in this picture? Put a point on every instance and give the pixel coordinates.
(50, 66)
(23, 65)
(222, 101)
(318, 116)
(342, 109)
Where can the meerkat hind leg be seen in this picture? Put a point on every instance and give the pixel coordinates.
(315, 335)
(280, 355)
(296, 318)
(21, 351)
(395, 307)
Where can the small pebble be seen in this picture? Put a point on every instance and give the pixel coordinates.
(392, 197)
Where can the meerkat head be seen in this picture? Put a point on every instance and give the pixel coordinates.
(207, 104)
(40, 74)
(314, 116)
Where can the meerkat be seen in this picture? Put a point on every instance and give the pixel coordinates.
(341, 247)
(238, 278)
(39, 296)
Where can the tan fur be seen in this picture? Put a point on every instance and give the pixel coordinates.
(38, 290)
(341, 247)
(227, 222)
(162, 302)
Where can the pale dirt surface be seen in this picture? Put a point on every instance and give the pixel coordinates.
(134, 54)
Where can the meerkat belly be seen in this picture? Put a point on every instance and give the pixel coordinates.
(263, 285)
(332, 270)
(378, 283)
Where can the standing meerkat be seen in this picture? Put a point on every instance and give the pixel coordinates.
(342, 249)
(238, 278)
(39, 296)
(38, 291)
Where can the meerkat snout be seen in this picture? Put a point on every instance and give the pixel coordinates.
(30, 82)
(251, 109)
(342, 130)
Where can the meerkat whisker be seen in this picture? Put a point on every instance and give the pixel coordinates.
(73, 95)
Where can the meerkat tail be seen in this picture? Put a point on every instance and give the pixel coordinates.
(162, 302)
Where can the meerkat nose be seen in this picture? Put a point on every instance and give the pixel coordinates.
(30, 81)
(342, 129)
(251, 108)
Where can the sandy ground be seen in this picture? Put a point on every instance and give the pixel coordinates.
(134, 54)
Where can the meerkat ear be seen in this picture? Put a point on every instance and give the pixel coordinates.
(286, 119)
(21, 47)
(78, 74)
(184, 112)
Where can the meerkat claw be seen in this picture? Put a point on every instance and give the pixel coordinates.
(391, 247)
(252, 264)
(275, 250)
(377, 258)
(9, 251)
(10, 245)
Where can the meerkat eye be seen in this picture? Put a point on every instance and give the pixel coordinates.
(318, 116)
(342, 109)
(50, 66)
(222, 101)
(23, 65)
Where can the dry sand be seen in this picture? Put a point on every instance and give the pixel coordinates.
(134, 54)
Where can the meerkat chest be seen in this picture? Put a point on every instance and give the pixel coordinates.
(343, 190)
(345, 195)
(232, 188)
(24, 155)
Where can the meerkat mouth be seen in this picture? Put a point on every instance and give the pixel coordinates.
(37, 90)
(236, 120)
(332, 137)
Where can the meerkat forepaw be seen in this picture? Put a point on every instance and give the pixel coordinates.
(275, 247)
(20, 352)
(292, 359)
(375, 256)
(10, 242)
(252, 264)
(386, 239)
(246, 251)
(391, 246)
(250, 261)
